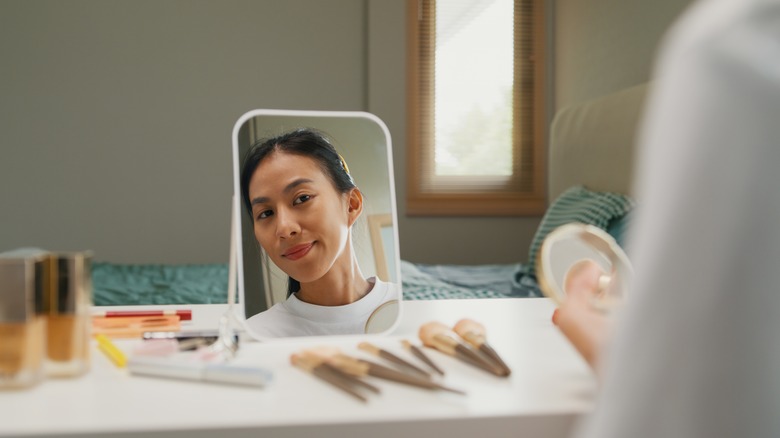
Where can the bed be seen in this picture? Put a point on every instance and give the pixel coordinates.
(590, 160)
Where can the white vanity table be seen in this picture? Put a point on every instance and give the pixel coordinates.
(549, 387)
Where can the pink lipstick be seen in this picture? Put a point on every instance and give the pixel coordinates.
(298, 251)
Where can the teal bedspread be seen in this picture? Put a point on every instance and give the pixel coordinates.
(437, 282)
(118, 284)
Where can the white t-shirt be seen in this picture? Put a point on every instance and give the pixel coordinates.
(695, 352)
(294, 317)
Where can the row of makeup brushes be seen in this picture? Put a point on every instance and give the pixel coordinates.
(466, 341)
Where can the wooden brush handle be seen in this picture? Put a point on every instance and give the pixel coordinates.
(471, 356)
(493, 355)
(418, 353)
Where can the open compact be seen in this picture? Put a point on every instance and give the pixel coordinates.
(571, 249)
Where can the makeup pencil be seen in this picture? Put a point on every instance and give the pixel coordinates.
(474, 333)
(438, 336)
(184, 315)
(134, 326)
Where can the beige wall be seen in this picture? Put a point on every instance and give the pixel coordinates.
(116, 117)
(602, 46)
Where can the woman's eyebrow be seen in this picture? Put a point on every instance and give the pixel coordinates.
(292, 185)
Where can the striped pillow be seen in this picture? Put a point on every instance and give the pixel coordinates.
(578, 204)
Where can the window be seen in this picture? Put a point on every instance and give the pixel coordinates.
(475, 108)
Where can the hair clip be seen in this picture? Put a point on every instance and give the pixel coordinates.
(344, 164)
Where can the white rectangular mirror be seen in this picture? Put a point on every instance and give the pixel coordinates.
(317, 252)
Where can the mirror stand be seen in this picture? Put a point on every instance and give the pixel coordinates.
(226, 344)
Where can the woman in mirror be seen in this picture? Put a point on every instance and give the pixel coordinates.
(303, 203)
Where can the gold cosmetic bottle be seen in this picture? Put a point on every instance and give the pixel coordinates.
(24, 276)
(67, 312)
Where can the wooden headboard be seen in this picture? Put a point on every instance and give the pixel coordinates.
(592, 143)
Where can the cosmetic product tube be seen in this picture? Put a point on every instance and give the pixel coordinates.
(68, 319)
(200, 371)
(23, 278)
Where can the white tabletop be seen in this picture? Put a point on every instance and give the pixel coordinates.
(549, 387)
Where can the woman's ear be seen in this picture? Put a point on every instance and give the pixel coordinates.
(354, 205)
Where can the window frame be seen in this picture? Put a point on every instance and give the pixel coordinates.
(484, 202)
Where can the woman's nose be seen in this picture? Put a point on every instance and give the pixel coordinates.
(286, 225)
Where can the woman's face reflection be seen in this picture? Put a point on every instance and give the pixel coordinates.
(300, 219)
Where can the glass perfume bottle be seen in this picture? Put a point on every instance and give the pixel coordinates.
(24, 275)
(67, 314)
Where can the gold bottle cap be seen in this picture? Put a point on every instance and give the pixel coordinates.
(73, 285)
(25, 281)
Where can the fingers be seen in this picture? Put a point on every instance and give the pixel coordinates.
(583, 280)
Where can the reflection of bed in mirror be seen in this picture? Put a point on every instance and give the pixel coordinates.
(590, 162)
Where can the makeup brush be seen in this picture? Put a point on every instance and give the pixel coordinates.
(475, 334)
(361, 367)
(384, 354)
(418, 353)
(327, 372)
(383, 372)
(436, 335)
(332, 357)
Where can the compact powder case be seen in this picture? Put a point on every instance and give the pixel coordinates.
(569, 246)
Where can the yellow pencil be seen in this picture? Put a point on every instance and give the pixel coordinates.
(115, 354)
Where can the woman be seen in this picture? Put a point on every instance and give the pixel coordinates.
(694, 352)
(303, 203)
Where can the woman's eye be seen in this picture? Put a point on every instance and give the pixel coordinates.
(265, 214)
(301, 199)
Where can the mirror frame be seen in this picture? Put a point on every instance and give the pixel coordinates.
(237, 206)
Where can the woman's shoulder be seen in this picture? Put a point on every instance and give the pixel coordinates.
(270, 322)
(384, 290)
(274, 311)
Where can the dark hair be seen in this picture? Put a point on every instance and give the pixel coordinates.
(306, 142)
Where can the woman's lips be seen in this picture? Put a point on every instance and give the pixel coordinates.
(298, 251)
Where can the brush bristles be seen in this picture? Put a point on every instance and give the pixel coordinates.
(469, 326)
(428, 332)
(365, 346)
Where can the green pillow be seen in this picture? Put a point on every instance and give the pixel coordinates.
(578, 204)
(618, 228)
